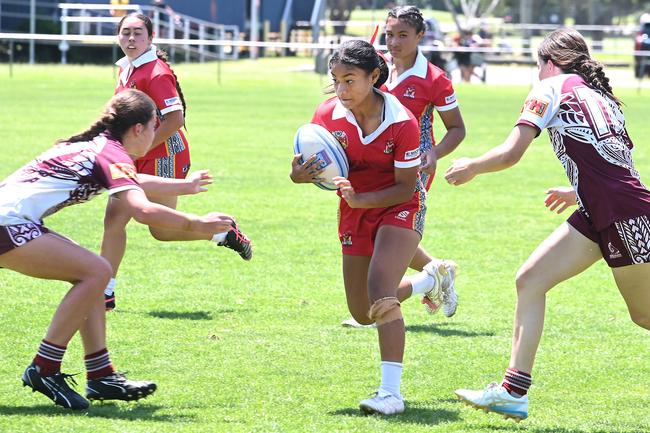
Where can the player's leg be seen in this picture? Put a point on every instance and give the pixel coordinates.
(565, 253)
(393, 251)
(116, 218)
(633, 282)
(88, 274)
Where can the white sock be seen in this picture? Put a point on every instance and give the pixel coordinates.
(422, 282)
(219, 237)
(391, 377)
(110, 287)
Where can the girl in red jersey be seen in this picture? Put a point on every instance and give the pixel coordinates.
(423, 88)
(381, 208)
(72, 172)
(575, 102)
(145, 68)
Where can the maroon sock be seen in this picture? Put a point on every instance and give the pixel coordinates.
(48, 358)
(98, 365)
(516, 382)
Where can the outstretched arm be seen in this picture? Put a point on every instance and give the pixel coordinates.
(194, 183)
(498, 158)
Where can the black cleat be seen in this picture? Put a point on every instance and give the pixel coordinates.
(109, 301)
(236, 240)
(55, 387)
(118, 387)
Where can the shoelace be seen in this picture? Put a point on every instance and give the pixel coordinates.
(240, 237)
(66, 378)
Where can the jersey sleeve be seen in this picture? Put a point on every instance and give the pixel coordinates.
(542, 103)
(444, 96)
(407, 144)
(162, 89)
(115, 170)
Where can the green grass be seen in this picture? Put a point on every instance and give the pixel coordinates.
(257, 347)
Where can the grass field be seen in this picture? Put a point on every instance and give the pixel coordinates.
(257, 347)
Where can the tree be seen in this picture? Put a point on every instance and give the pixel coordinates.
(472, 9)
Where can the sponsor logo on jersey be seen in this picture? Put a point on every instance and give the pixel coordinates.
(410, 154)
(451, 98)
(535, 106)
(390, 146)
(614, 253)
(342, 138)
(402, 215)
(131, 85)
(122, 170)
(346, 239)
(172, 101)
(410, 92)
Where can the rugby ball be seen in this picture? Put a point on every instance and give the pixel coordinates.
(313, 139)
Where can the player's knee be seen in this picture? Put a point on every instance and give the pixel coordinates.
(641, 318)
(385, 310)
(529, 282)
(361, 317)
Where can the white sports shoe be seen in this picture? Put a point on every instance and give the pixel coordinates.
(495, 398)
(449, 295)
(443, 292)
(383, 404)
(351, 323)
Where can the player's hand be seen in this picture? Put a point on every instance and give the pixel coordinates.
(560, 198)
(460, 171)
(198, 180)
(215, 222)
(429, 162)
(347, 191)
(307, 172)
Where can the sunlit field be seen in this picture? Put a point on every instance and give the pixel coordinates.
(257, 346)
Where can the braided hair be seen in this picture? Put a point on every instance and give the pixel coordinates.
(122, 111)
(567, 49)
(361, 54)
(161, 54)
(409, 15)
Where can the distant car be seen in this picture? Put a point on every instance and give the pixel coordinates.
(642, 43)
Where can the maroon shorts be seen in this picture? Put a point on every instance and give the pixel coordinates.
(175, 166)
(625, 242)
(18, 235)
(358, 227)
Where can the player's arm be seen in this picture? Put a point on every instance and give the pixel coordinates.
(558, 199)
(156, 215)
(455, 127)
(169, 124)
(194, 183)
(400, 192)
(498, 158)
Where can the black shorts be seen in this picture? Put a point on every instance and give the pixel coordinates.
(18, 235)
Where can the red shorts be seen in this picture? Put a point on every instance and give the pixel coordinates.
(18, 235)
(625, 242)
(358, 227)
(175, 166)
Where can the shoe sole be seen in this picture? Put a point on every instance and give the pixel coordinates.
(513, 416)
(367, 410)
(431, 307)
(455, 267)
(126, 397)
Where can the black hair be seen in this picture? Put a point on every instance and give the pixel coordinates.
(410, 15)
(161, 54)
(362, 55)
(124, 110)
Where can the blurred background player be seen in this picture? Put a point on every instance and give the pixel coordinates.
(382, 205)
(145, 68)
(74, 171)
(587, 129)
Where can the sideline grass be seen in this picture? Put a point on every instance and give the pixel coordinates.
(257, 347)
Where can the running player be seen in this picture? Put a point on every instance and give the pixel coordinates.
(382, 205)
(74, 171)
(575, 102)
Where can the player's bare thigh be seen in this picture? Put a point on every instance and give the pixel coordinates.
(355, 278)
(633, 282)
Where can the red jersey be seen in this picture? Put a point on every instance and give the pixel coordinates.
(422, 89)
(373, 159)
(155, 78)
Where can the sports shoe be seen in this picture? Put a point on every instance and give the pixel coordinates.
(383, 404)
(351, 323)
(109, 301)
(117, 387)
(449, 295)
(495, 398)
(55, 388)
(443, 292)
(433, 298)
(236, 240)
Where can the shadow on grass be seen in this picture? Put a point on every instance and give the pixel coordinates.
(183, 315)
(413, 415)
(443, 330)
(510, 426)
(102, 410)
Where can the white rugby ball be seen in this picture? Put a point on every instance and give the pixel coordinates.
(313, 139)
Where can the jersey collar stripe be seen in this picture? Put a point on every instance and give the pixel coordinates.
(419, 69)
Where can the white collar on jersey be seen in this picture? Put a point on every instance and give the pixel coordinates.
(419, 69)
(126, 64)
(394, 113)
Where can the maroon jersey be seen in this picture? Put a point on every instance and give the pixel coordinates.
(587, 130)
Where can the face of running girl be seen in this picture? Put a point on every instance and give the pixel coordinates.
(401, 38)
(134, 38)
(352, 85)
(142, 138)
